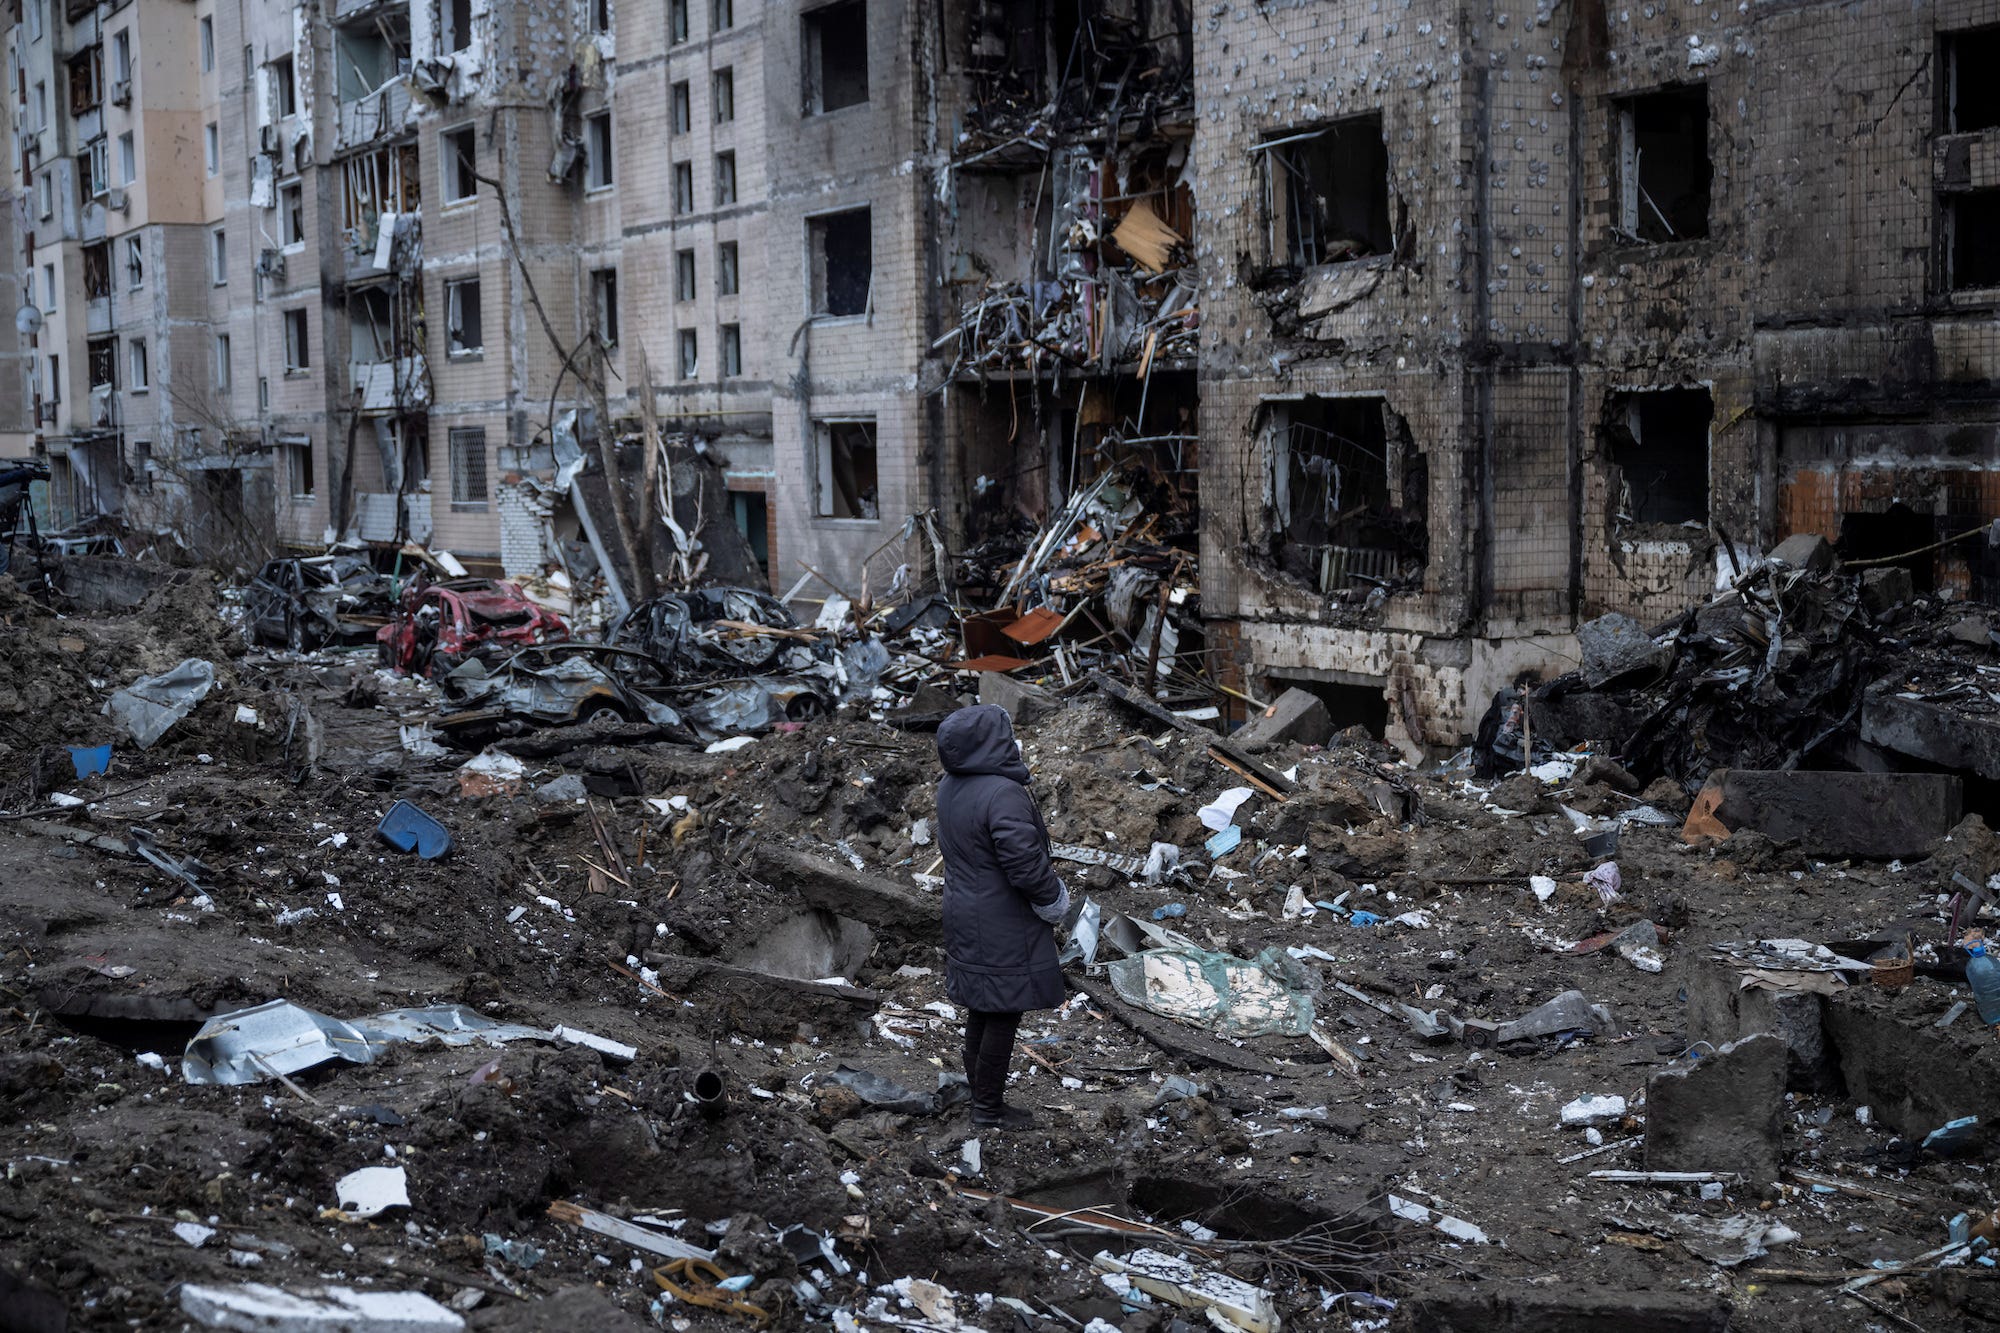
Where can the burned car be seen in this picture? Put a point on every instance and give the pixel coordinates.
(310, 602)
(552, 685)
(440, 626)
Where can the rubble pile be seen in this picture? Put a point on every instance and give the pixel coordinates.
(1773, 672)
(314, 1023)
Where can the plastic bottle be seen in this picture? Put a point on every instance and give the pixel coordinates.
(1982, 973)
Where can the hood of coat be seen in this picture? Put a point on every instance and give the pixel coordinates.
(980, 740)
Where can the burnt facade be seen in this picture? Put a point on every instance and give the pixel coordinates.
(1515, 316)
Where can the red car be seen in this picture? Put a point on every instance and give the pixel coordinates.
(440, 625)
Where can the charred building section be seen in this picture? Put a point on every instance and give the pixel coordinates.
(1066, 360)
(1577, 309)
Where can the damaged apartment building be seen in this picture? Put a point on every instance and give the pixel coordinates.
(1521, 314)
(1423, 334)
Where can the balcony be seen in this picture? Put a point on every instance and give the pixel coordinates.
(382, 114)
(97, 316)
(402, 385)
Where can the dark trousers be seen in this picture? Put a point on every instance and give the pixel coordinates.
(989, 1046)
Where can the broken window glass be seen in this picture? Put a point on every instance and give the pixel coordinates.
(684, 275)
(462, 325)
(683, 104)
(604, 302)
(842, 262)
(690, 351)
(1657, 443)
(1972, 94)
(370, 337)
(1663, 167)
(1350, 494)
(298, 348)
(1327, 194)
(97, 270)
(103, 356)
(1972, 230)
(86, 80)
(835, 57)
(284, 89)
(844, 477)
(725, 269)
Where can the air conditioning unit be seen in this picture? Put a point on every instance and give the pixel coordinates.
(121, 93)
(115, 200)
(267, 138)
(271, 263)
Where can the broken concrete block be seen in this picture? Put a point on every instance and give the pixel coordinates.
(1886, 588)
(1721, 1009)
(1803, 550)
(1026, 703)
(1615, 647)
(1720, 1113)
(1975, 630)
(1298, 718)
(1879, 815)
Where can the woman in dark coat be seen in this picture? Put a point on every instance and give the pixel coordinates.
(1001, 897)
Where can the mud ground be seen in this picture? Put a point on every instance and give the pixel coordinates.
(108, 962)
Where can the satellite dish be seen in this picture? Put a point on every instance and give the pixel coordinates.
(28, 319)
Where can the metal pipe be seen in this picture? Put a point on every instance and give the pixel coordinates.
(711, 1098)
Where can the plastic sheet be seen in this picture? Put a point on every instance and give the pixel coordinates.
(150, 705)
(1237, 997)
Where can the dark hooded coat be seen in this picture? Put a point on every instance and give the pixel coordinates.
(1001, 896)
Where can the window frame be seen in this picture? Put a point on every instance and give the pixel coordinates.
(287, 241)
(687, 358)
(298, 349)
(452, 159)
(729, 342)
(604, 303)
(599, 171)
(454, 314)
(722, 94)
(218, 256)
(459, 440)
(138, 365)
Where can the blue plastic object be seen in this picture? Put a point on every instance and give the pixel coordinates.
(1364, 919)
(1166, 910)
(90, 760)
(1225, 842)
(411, 830)
(1982, 973)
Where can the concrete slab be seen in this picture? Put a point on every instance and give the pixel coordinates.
(1931, 733)
(1720, 1113)
(1025, 702)
(870, 899)
(1877, 815)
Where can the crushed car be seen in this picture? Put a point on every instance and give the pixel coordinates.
(440, 626)
(739, 662)
(552, 685)
(311, 602)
